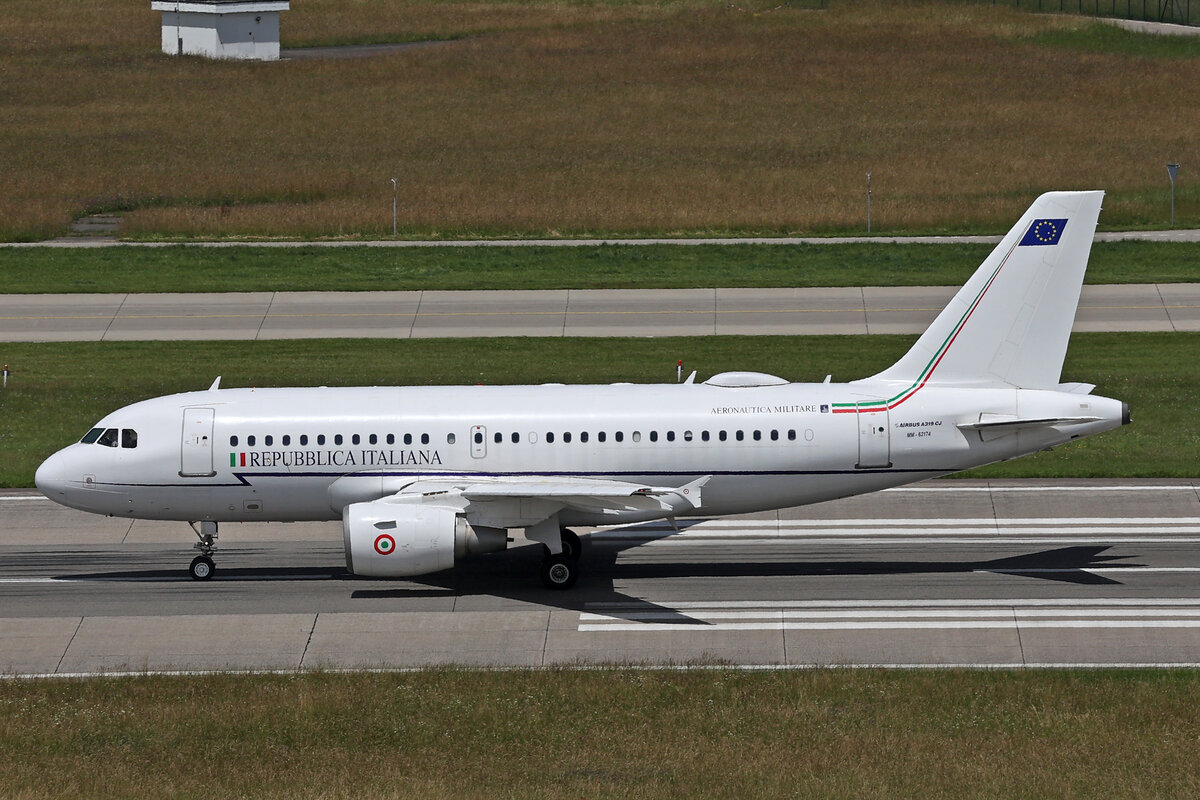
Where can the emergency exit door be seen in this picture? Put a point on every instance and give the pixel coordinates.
(478, 441)
(874, 441)
(196, 459)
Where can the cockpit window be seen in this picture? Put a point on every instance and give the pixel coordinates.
(108, 438)
(91, 436)
(128, 437)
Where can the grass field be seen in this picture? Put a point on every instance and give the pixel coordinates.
(606, 733)
(60, 390)
(548, 118)
(250, 269)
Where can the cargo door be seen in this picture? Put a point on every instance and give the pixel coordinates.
(874, 440)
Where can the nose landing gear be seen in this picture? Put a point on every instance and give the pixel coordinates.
(202, 566)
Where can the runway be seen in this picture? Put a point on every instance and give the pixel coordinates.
(566, 312)
(1015, 573)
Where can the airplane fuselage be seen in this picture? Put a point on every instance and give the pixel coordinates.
(305, 453)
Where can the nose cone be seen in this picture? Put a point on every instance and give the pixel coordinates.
(51, 478)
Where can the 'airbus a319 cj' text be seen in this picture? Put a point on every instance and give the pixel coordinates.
(420, 476)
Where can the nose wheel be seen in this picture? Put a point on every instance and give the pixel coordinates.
(202, 566)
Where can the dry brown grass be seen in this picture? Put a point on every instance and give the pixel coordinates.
(568, 118)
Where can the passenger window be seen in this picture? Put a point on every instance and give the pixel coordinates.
(355, 439)
(723, 435)
(304, 439)
(287, 439)
(704, 436)
(450, 438)
(549, 437)
(391, 438)
(321, 439)
(91, 436)
(637, 436)
(337, 438)
(373, 439)
(601, 436)
(249, 441)
(108, 438)
(424, 438)
(670, 436)
(498, 438)
(583, 437)
(687, 436)
(654, 436)
(619, 436)
(128, 438)
(478, 437)
(516, 437)
(792, 435)
(774, 436)
(408, 438)
(233, 441)
(758, 436)
(267, 440)
(567, 436)
(739, 436)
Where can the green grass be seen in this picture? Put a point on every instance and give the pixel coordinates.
(1109, 39)
(228, 269)
(59, 390)
(606, 733)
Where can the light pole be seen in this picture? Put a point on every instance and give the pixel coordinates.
(868, 202)
(1172, 170)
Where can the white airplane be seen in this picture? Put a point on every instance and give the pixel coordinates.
(420, 476)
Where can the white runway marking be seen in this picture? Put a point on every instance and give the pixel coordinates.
(857, 615)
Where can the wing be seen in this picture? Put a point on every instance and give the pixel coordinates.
(524, 501)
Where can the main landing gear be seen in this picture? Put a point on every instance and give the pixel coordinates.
(202, 566)
(561, 570)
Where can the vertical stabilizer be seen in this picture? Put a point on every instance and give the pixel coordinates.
(1010, 322)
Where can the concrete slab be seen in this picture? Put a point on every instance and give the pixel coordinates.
(35, 645)
(302, 315)
(506, 313)
(31, 519)
(699, 646)
(790, 311)
(639, 312)
(1121, 308)
(190, 316)
(57, 318)
(234, 641)
(904, 309)
(903, 646)
(385, 640)
(1091, 645)
(1182, 301)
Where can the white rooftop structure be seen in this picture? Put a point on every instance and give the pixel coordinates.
(243, 29)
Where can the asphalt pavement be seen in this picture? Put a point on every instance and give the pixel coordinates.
(952, 572)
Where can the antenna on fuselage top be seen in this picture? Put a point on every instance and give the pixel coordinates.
(215, 384)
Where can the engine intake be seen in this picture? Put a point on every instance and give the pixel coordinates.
(392, 540)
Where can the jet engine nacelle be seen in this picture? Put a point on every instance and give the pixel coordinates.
(390, 540)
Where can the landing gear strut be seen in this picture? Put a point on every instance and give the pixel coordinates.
(561, 570)
(202, 566)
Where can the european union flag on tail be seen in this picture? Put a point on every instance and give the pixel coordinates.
(1044, 231)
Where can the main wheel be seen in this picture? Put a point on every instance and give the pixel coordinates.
(570, 545)
(560, 571)
(202, 568)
